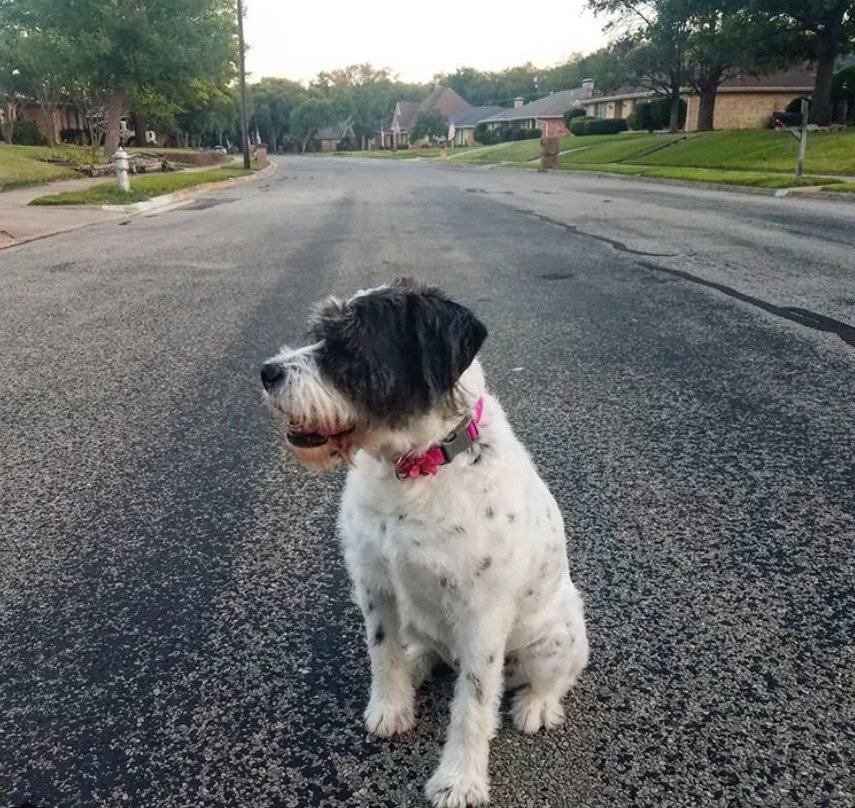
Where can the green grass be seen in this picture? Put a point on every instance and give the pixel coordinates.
(142, 188)
(615, 149)
(21, 166)
(513, 152)
(841, 188)
(827, 152)
(755, 179)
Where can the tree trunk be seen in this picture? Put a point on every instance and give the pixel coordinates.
(10, 115)
(139, 129)
(821, 107)
(115, 107)
(706, 107)
(674, 122)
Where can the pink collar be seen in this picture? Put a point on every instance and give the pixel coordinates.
(459, 440)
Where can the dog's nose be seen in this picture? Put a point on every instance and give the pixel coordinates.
(271, 374)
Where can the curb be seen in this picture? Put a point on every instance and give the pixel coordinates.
(162, 202)
(166, 200)
(780, 193)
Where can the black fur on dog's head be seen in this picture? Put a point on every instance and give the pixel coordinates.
(398, 351)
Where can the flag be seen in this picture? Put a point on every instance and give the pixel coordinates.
(451, 132)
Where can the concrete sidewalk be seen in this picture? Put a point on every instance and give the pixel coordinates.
(20, 222)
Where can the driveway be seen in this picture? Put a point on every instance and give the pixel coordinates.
(174, 613)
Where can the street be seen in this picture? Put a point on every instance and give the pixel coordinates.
(175, 619)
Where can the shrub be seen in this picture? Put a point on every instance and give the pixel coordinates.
(796, 105)
(655, 114)
(483, 135)
(26, 133)
(76, 137)
(524, 134)
(576, 112)
(605, 126)
(843, 95)
(578, 125)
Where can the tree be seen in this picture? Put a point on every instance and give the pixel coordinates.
(826, 29)
(271, 102)
(119, 46)
(11, 84)
(726, 38)
(365, 94)
(698, 43)
(430, 124)
(309, 116)
(655, 32)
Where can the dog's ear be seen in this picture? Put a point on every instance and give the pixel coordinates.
(449, 336)
(397, 350)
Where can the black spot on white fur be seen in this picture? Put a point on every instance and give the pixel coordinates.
(477, 687)
(396, 352)
(379, 635)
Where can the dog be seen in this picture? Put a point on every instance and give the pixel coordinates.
(454, 544)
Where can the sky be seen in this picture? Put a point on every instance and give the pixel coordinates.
(297, 40)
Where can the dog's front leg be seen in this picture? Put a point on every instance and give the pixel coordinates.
(390, 709)
(462, 778)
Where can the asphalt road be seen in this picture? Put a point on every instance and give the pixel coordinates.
(175, 625)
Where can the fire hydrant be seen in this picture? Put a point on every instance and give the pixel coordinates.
(120, 161)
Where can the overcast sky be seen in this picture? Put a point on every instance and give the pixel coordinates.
(298, 39)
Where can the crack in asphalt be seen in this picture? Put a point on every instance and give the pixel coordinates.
(618, 245)
(796, 314)
(805, 317)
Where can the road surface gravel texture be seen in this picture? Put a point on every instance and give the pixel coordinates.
(175, 621)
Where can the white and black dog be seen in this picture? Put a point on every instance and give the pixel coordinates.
(455, 546)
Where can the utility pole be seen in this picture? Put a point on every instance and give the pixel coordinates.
(242, 67)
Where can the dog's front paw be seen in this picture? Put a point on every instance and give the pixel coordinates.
(457, 790)
(531, 713)
(389, 717)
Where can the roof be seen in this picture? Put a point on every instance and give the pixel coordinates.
(550, 106)
(797, 79)
(335, 131)
(474, 116)
(442, 99)
(802, 78)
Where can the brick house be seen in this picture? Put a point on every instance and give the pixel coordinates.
(440, 99)
(465, 123)
(743, 102)
(546, 114)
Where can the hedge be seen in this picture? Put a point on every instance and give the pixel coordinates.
(598, 126)
(655, 114)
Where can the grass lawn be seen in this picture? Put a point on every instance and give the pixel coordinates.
(142, 187)
(755, 179)
(842, 188)
(827, 152)
(20, 166)
(614, 148)
(513, 152)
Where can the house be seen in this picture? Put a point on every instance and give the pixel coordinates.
(546, 114)
(465, 123)
(50, 125)
(333, 137)
(743, 102)
(442, 99)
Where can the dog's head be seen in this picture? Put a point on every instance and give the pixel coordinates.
(385, 371)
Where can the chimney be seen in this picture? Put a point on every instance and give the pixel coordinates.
(588, 86)
(518, 102)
